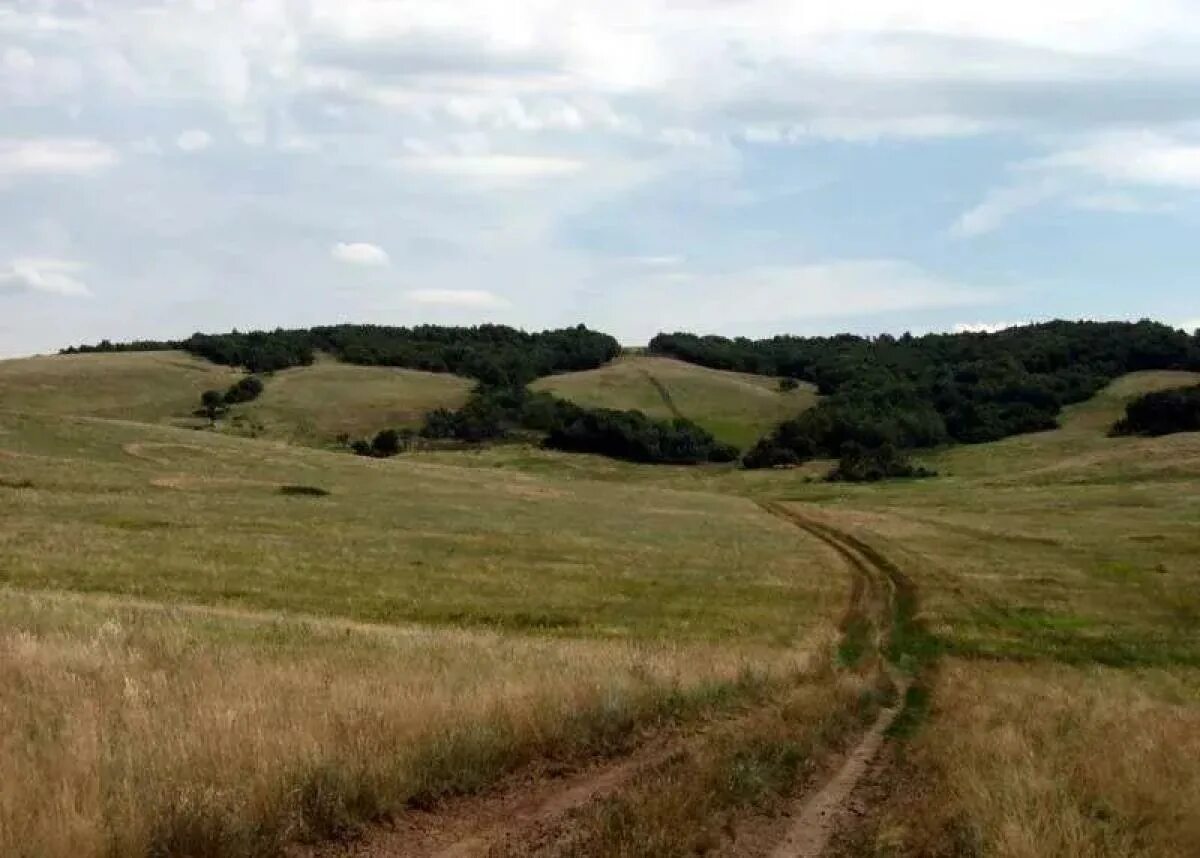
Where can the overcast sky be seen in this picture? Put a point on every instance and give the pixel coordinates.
(745, 167)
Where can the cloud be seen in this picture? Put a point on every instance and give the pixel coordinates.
(45, 276)
(1190, 326)
(982, 327)
(1002, 204)
(464, 298)
(497, 168)
(194, 140)
(1140, 158)
(360, 253)
(54, 156)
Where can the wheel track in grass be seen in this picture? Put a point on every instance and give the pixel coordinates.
(532, 805)
(818, 815)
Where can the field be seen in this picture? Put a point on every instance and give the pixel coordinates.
(216, 645)
(315, 404)
(735, 407)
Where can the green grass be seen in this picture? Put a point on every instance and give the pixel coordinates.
(197, 516)
(315, 404)
(737, 408)
(151, 387)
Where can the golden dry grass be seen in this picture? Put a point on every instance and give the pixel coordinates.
(141, 730)
(1027, 761)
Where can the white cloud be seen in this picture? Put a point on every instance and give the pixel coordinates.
(1190, 326)
(360, 253)
(982, 327)
(194, 140)
(463, 298)
(47, 276)
(1142, 158)
(1001, 204)
(491, 168)
(54, 156)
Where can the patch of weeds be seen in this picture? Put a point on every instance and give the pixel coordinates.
(855, 642)
(915, 712)
(15, 484)
(135, 524)
(304, 491)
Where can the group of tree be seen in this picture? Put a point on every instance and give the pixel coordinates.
(214, 403)
(494, 354)
(859, 464)
(493, 413)
(913, 392)
(1162, 412)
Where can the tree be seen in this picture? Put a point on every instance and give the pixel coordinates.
(212, 403)
(386, 443)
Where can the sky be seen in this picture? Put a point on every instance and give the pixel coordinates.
(746, 167)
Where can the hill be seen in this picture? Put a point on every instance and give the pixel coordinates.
(152, 386)
(315, 404)
(738, 408)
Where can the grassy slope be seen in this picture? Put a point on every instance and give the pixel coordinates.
(306, 405)
(147, 386)
(736, 407)
(560, 616)
(1058, 574)
(316, 404)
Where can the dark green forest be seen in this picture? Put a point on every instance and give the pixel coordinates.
(493, 354)
(913, 392)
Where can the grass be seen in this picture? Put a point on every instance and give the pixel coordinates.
(134, 729)
(152, 387)
(201, 651)
(737, 408)
(313, 405)
(202, 654)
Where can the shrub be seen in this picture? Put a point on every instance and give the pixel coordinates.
(788, 384)
(244, 390)
(860, 464)
(1162, 412)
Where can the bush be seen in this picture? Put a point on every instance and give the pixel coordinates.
(244, 390)
(860, 464)
(634, 436)
(1163, 412)
(787, 385)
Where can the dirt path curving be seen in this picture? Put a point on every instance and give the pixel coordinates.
(818, 815)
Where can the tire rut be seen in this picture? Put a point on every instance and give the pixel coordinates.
(819, 814)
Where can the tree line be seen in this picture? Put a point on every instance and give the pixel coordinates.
(913, 392)
(493, 354)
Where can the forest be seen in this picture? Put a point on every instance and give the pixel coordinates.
(914, 392)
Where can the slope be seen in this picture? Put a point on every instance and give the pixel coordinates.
(737, 408)
(315, 404)
(152, 387)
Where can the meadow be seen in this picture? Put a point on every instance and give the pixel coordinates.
(225, 646)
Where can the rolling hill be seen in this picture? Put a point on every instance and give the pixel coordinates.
(738, 408)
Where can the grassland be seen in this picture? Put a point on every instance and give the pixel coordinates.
(152, 387)
(735, 407)
(190, 656)
(194, 662)
(313, 405)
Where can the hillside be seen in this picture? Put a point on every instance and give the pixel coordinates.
(738, 408)
(315, 404)
(152, 387)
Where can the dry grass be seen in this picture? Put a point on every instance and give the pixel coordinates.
(1023, 762)
(736, 407)
(147, 731)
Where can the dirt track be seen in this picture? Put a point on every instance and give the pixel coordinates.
(529, 810)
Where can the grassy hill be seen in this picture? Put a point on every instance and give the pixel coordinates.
(305, 405)
(737, 408)
(315, 404)
(151, 387)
